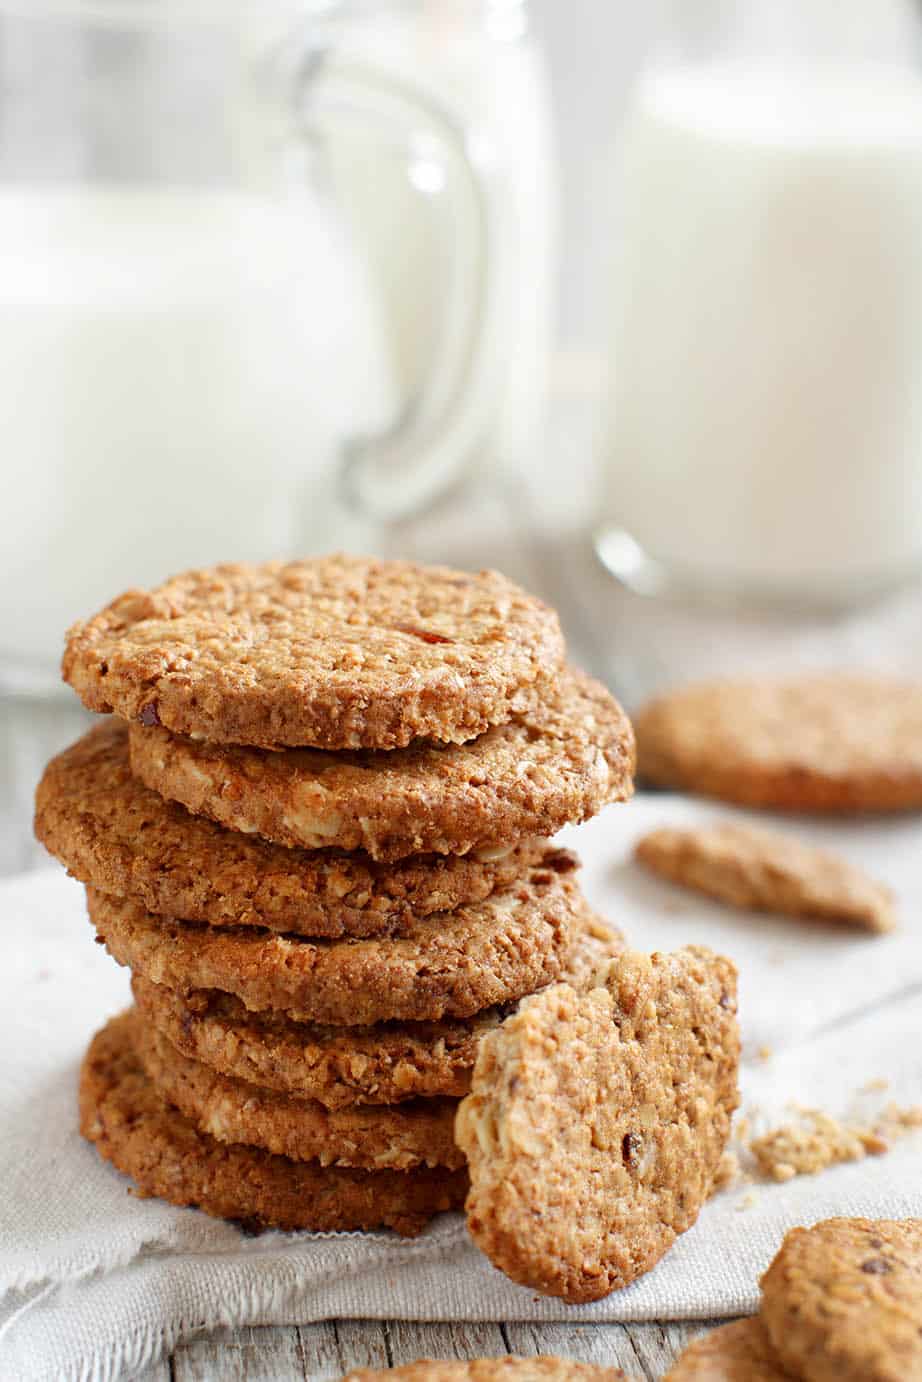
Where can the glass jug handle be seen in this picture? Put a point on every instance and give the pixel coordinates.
(396, 472)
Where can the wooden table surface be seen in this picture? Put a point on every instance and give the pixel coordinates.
(636, 646)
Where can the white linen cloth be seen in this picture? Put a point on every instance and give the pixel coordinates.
(95, 1283)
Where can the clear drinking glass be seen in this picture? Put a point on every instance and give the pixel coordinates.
(271, 275)
(764, 434)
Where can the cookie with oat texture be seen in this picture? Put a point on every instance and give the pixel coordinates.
(337, 652)
(596, 1122)
(450, 964)
(738, 1352)
(764, 871)
(166, 1156)
(541, 1368)
(559, 763)
(842, 1301)
(838, 743)
(116, 834)
(375, 1137)
(342, 1066)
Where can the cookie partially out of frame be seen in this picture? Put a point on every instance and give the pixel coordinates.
(842, 1301)
(561, 762)
(450, 964)
(337, 652)
(765, 871)
(820, 743)
(374, 1137)
(342, 1066)
(116, 834)
(165, 1155)
(596, 1122)
(542, 1368)
(738, 1352)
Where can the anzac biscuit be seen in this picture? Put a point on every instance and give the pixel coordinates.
(822, 743)
(374, 1137)
(596, 1122)
(135, 1129)
(384, 1064)
(113, 832)
(508, 1369)
(767, 872)
(738, 1352)
(561, 762)
(450, 964)
(337, 652)
(842, 1301)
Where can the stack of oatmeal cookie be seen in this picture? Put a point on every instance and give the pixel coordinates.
(316, 829)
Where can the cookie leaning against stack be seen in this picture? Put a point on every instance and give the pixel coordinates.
(320, 845)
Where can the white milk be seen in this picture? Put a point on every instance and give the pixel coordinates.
(766, 424)
(177, 368)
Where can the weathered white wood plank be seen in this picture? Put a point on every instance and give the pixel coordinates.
(325, 1352)
(157, 1372)
(333, 1347)
(271, 1354)
(408, 1340)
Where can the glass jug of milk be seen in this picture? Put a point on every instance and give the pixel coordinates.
(271, 275)
(764, 434)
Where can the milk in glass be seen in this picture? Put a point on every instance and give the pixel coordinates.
(178, 367)
(765, 424)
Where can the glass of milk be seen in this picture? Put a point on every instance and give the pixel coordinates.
(272, 275)
(764, 428)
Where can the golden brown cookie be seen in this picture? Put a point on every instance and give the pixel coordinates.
(507, 1369)
(384, 1064)
(596, 1122)
(338, 652)
(450, 964)
(374, 1137)
(820, 743)
(842, 1301)
(764, 871)
(132, 1126)
(113, 832)
(738, 1352)
(562, 762)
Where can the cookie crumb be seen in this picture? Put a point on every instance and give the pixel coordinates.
(819, 1140)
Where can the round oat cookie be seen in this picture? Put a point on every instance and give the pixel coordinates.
(113, 832)
(340, 1067)
(450, 964)
(822, 743)
(337, 652)
(541, 1368)
(140, 1134)
(373, 1137)
(738, 1352)
(596, 1122)
(842, 1301)
(765, 871)
(560, 763)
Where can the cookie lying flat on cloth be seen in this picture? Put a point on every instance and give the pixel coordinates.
(134, 1128)
(557, 764)
(450, 964)
(842, 1301)
(338, 652)
(373, 1137)
(116, 834)
(738, 1352)
(341, 1066)
(539, 1369)
(767, 872)
(596, 1122)
(823, 743)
